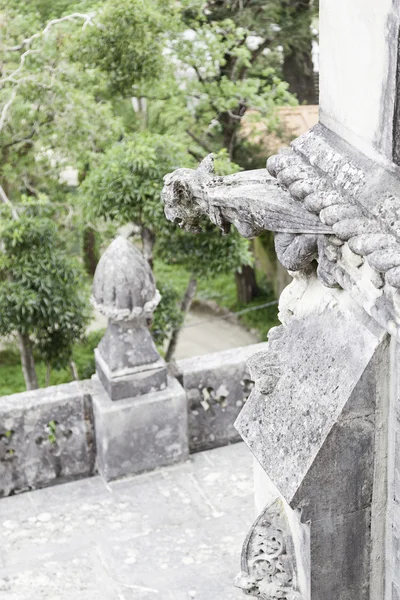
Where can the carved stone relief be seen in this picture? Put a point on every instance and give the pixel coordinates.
(268, 557)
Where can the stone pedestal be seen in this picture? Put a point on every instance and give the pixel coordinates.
(140, 413)
(129, 383)
(139, 434)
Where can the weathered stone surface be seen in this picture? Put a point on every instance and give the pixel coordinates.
(174, 534)
(217, 386)
(46, 437)
(127, 361)
(340, 556)
(338, 495)
(320, 178)
(253, 201)
(272, 558)
(390, 495)
(142, 433)
(129, 383)
(123, 285)
(286, 424)
(310, 422)
(126, 346)
(341, 478)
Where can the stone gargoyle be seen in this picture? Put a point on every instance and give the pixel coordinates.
(312, 213)
(253, 201)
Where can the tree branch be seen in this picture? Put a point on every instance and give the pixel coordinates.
(195, 155)
(26, 43)
(87, 17)
(6, 108)
(29, 187)
(199, 76)
(198, 141)
(7, 201)
(29, 136)
(10, 78)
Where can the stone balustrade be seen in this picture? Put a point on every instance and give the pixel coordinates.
(64, 432)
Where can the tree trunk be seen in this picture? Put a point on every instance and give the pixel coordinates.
(185, 307)
(229, 131)
(74, 370)
(246, 284)
(298, 71)
(148, 239)
(48, 373)
(90, 250)
(27, 362)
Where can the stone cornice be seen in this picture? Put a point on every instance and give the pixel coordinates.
(371, 236)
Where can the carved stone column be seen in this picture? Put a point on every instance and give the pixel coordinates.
(127, 362)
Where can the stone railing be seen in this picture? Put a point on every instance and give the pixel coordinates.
(50, 435)
(132, 416)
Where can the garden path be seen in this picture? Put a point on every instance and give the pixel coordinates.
(203, 333)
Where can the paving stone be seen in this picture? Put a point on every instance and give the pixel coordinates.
(174, 534)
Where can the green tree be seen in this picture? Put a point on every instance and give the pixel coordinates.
(215, 61)
(126, 187)
(297, 17)
(205, 255)
(52, 112)
(51, 116)
(168, 316)
(127, 43)
(41, 297)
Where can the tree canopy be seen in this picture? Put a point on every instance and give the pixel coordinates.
(123, 92)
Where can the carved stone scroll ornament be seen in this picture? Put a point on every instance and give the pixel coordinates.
(268, 557)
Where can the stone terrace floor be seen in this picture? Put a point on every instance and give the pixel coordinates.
(174, 534)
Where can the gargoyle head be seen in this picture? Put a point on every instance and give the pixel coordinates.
(185, 195)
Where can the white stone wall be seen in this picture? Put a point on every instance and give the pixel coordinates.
(356, 62)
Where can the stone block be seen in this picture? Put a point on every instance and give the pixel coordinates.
(340, 557)
(394, 544)
(396, 452)
(341, 478)
(129, 383)
(46, 437)
(217, 386)
(142, 433)
(315, 371)
(395, 592)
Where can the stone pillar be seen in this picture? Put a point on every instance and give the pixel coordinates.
(321, 392)
(323, 419)
(140, 412)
